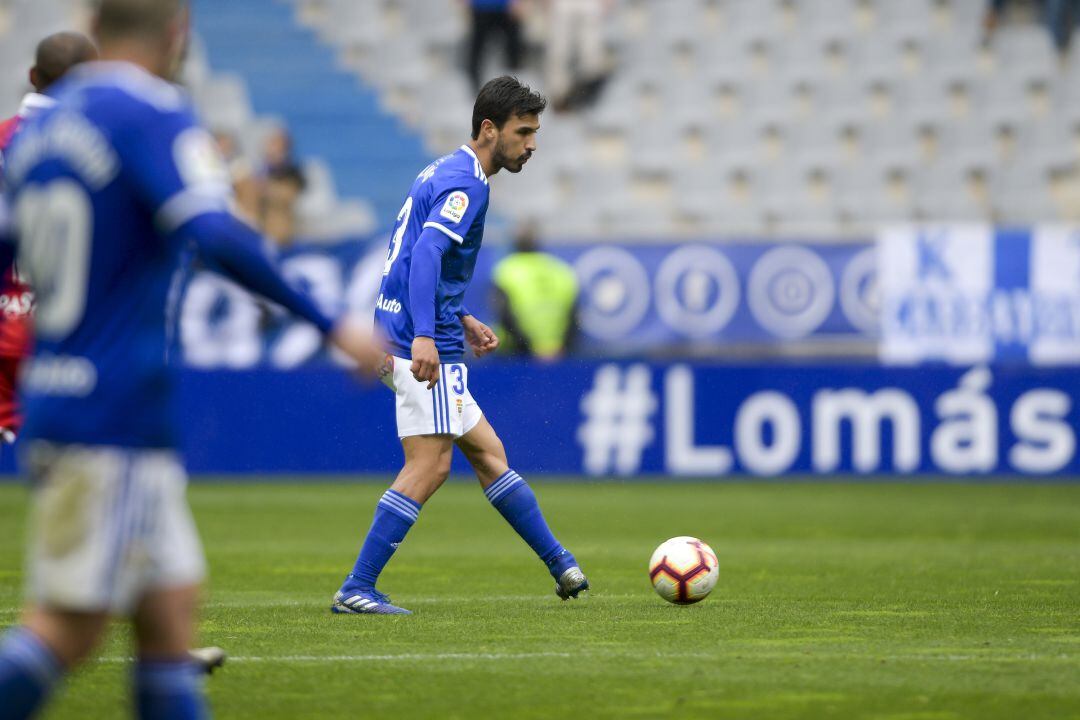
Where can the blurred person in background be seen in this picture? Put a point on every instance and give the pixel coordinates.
(277, 151)
(535, 297)
(245, 186)
(995, 11)
(488, 20)
(110, 187)
(1060, 16)
(55, 55)
(281, 191)
(576, 67)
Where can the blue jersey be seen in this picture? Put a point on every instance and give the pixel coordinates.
(101, 185)
(450, 198)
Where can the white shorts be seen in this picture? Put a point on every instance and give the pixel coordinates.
(446, 409)
(108, 525)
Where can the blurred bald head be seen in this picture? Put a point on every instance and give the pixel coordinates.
(151, 33)
(118, 19)
(57, 54)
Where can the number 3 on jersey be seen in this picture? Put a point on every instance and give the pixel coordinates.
(55, 222)
(399, 233)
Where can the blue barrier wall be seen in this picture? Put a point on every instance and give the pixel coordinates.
(641, 418)
(635, 299)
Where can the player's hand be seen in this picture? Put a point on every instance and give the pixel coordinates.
(480, 337)
(425, 361)
(352, 336)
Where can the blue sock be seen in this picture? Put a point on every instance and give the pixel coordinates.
(515, 500)
(28, 672)
(394, 515)
(169, 690)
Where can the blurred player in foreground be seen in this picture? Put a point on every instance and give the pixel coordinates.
(419, 309)
(55, 55)
(108, 187)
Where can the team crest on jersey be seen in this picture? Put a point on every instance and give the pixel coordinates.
(455, 206)
(198, 159)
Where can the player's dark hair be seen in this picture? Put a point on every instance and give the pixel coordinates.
(503, 98)
(57, 54)
(135, 18)
(288, 173)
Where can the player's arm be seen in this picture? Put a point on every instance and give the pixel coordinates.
(7, 238)
(176, 168)
(452, 215)
(424, 272)
(237, 251)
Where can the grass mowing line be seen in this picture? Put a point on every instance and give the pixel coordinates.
(637, 653)
(421, 600)
(374, 658)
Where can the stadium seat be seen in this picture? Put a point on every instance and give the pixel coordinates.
(892, 143)
(223, 102)
(755, 20)
(676, 22)
(879, 60)
(1003, 100)
(972, 145)
(816, 144)
(736, 146)
(1049, 144)
(1025, 53)
(965, 15)
(902, 19)
(946, 191)
(869, 193)
(955, 55)
(829, 22)
(1020, 194)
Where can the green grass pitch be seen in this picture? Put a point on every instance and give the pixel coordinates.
(835, 601)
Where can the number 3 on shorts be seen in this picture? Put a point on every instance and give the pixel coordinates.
(459, 386)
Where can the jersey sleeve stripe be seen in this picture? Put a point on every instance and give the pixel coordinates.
(186, 205)
(449, 233)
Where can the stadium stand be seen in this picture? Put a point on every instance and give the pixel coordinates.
(763, 116)
(724, 117)
(224, 98)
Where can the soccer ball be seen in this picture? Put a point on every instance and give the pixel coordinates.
(684, 570)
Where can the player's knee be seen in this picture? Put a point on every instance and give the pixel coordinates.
(488, 461)
(441, 466)
(73, 637)
(433, 468)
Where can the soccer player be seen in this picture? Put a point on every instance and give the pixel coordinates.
(55, 55)
(108, 188)
(419, 310)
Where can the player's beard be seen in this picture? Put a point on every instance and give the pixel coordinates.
(512, 164)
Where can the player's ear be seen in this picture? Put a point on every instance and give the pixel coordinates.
(177, 41)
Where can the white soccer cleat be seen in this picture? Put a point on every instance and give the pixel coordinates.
(208, 659)
(571, 583)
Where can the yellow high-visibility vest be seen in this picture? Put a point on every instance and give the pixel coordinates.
(541, 290)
